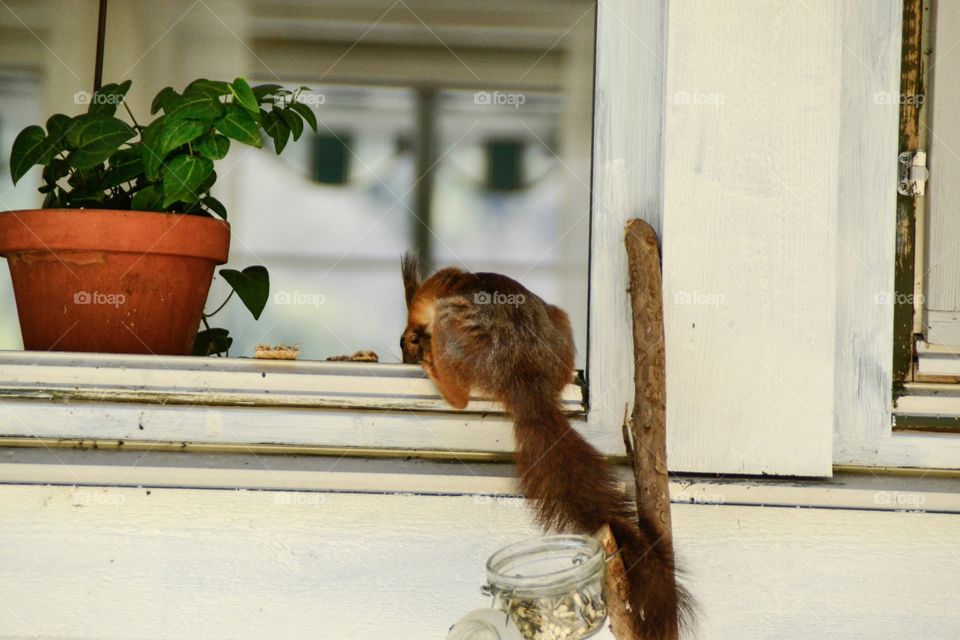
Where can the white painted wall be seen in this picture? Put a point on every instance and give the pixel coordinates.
(118, 563)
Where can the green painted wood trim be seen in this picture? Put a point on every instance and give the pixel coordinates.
(927, 423)
(912, 83)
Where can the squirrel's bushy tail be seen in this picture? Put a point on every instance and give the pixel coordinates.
(574, 491)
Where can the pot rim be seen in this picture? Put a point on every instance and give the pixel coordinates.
(114, 231)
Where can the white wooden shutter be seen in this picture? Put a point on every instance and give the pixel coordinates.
(746, 183)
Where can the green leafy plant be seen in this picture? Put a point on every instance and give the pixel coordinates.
(96, 160)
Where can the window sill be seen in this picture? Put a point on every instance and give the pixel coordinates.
(230, 381)
(159, 401)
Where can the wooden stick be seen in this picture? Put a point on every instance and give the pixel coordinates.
(646, 439)
(616, 587)
(649, 417)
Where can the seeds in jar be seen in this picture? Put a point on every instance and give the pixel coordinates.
(568, 616)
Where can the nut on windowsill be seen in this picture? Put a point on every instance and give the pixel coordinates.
(278, 352)
(358, 356)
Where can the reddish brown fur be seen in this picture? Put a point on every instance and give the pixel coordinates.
(522, 355)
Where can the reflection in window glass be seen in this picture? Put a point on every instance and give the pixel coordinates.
(334, 276)
(19, 105)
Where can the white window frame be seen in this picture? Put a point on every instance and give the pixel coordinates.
(864, 434)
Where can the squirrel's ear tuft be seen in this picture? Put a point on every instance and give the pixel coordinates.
(410, 267)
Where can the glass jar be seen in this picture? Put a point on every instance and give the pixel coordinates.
(551, 587)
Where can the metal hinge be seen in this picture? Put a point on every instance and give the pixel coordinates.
(913, 173)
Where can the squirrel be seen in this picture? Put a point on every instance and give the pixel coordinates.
(487, 333)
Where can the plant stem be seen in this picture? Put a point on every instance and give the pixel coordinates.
(136, 125)
(207, 315)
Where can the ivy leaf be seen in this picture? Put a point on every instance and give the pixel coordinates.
(105, 101)
(51, 201)
(164, 100)
(276, 128)
(125, 165)
(177, 131)
(212, 342)
(243, 95)
(306, 113)
(183, 177)
(87, 200)
(81, 179)
(74, 129)
(293, 121)
(152, 152)
(27, 150)
(208, 183)
(261, 91)
(98, 141)
(252, 285)
(56, 169)
(150, 198)
(57, 126)
(213, 146)
(240, 125)
(214, 88)
(215, 205)
(196, 106)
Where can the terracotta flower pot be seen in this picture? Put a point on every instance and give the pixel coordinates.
(111, 281)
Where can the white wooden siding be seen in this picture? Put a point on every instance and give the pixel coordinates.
(116, 564)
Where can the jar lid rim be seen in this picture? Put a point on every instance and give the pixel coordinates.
(595, 562)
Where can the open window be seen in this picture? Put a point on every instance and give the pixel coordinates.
(462, 132)
(927, 343)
